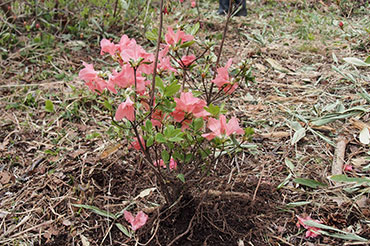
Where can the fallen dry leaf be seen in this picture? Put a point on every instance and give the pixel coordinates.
(5, 177)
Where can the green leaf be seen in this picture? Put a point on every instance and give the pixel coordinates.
(368, 60)
(289, 164)
(297, 204)
(198, 123)
(160, 138)
(298, 135)
(194, 29)
(96, 210)
(169, 131)
(344, 178)
(176, 139)
(355, 61)
(213, 110)
(308, 182)
(337, 116)
(152, 35)
(49, 106)
(365, 95)
(150, 141)
(348, 236)
(172, 89)
(187, 44)
(165, 156)
(181, 177)
(296, 126)
(178, 156)
(108, 105)
(159, 84)
(286, 180)
(188, 157)
(148, 126)
(123, 229)
(248, 132)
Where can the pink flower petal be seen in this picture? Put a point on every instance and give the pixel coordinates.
(125, 110)
(136, 222)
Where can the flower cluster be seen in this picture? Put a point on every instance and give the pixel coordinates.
(136, 65)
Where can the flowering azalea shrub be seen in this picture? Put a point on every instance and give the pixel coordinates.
(171, 119)
(168, 106)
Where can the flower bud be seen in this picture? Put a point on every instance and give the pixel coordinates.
(341, 25)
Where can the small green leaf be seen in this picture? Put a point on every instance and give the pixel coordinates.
(123, 229)
(108, 105)
(297, 204)
(289, 164)
(96, 210)
(150, 141)
(176, 139)
(165, 156)
(187, 44)
(298, 135)
(213, 110)
(296, 126)
(181, 177)
(344, 178)
(188, 157)
(172, 89)
(194, 29)
(198, 123)
(160, 138)
(355, 61)
(148, 126)
(348, 236)
(152, 35)
(367, 60)
(308, 182)
(178, 156)
(49, 106)
(286, 180)
(159, 84)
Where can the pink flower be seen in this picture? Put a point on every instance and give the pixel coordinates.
(348, 167)
(136, 145)
(188, 60)
(157, 118)
(222, 79)
(311, 231)
(136, 222)
(88, 73)
(220, 127)
(164, 60)
(93, 81)
(172, 164)
(125, 110)
(107, 47)
(173, 38)
(187, 103)
(193, 4)
(126, 78)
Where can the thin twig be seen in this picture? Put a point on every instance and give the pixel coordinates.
(220, 51)
(156, 55)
